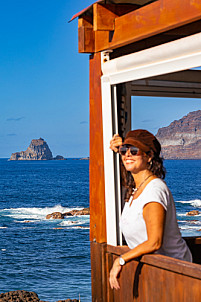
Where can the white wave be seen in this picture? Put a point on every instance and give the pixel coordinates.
(185, 227)
(72, 222)
(80, 227)
(194, 202)
(27, 221)
(192, 217)
(35, 213)
(3, 227)
(181, 214)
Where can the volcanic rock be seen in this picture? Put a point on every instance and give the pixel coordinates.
(182, 138)
(25, 296)
(84, 211)
(59, 157)
(55, 215)
(19, 296)
(193, 213)
(58, 215)
(37, 150)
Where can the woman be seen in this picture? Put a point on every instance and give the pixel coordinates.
(148, 220)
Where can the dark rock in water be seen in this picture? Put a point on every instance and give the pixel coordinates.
(19, 296)
(37, 150)
(59, 157)
(55, 215)
(25, 296)
(85, 211)
(182, 138)
(58, 215)
(193, 213)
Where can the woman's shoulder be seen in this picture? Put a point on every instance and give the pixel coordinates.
(158, 183)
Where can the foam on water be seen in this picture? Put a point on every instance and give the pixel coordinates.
(34, 213)
(189, 227)
(184, 214)
(195, 203)
(72, 223)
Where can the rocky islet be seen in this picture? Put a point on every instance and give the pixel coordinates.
(37, 150)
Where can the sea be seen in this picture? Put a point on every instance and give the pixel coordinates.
(52, 257)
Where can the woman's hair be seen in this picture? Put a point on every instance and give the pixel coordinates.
(155, 166)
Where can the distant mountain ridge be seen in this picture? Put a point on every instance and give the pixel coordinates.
(182, 138)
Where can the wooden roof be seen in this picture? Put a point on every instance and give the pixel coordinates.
(113, 24)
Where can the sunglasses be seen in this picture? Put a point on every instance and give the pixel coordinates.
(133, 150)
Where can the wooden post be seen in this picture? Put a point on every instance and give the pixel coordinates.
(96, 168)
(97, 183)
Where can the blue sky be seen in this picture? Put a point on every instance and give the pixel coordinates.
(44, 87)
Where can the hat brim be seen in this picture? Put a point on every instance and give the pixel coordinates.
(133, 142)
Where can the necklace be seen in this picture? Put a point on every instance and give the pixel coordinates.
(136, 189)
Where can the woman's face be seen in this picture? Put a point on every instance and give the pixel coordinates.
(135, 163)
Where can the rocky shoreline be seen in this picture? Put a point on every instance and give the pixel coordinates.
(59, 215)
(26, 296)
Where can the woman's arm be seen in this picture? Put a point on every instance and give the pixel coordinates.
(154, 216)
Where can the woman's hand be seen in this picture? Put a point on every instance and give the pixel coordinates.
(116, 268)
(115, 143)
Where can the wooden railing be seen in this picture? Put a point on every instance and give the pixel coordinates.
(153, 278)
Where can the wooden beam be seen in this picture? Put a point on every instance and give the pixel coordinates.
(96, 167)
(86, 37)
(147, 21)
(104, 15)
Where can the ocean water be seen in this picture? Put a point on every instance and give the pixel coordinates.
(52, 257)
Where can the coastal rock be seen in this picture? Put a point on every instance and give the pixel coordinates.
(55, 215)
(193, 213)
(85, 211)
(182, 138)
(59, 157)
(19, 296)
(58, 215)
(25, 296)
(37, 150)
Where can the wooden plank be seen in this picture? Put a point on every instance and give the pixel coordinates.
(103, 18)
(86, 36)
(98, 279)
(110, 292)
(152, 281)
(96, 165)
(104, 15)
(117, 250)
(147, 21)
(172, 264)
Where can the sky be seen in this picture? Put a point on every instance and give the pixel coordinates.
(44, 81)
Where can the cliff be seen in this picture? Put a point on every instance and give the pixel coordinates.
(182, 138)
(37, 150)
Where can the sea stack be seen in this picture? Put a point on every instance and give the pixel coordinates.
(37, 150)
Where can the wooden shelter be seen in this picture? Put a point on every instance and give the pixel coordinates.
(147, 48)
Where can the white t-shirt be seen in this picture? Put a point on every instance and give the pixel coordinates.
(133, 226)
